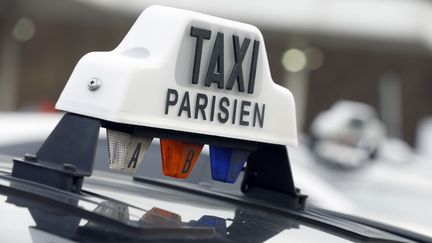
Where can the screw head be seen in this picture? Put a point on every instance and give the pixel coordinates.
(30, 157)
(94, 84)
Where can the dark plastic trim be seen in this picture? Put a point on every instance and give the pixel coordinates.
(66, 156)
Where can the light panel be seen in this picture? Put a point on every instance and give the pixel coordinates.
(227, 163)
(178, 158)
(126, 151)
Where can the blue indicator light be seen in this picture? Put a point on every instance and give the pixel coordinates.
(227, 163)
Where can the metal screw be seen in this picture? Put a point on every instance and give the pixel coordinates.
(94, 84)
(30, 157)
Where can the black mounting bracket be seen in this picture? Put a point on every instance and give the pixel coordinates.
(66, 156)
(268, 177)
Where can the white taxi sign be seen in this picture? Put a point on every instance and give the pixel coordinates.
(185, 71)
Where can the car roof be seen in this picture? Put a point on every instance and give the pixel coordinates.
(208, 217)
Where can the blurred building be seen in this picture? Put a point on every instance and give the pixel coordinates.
(373, 51)
(42, 40)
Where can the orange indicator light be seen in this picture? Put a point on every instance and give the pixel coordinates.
(178, 158)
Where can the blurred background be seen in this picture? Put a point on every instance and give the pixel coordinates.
(360, 71)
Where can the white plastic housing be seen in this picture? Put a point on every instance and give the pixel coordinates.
(158, 55)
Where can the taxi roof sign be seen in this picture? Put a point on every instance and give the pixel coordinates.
(185, 71)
